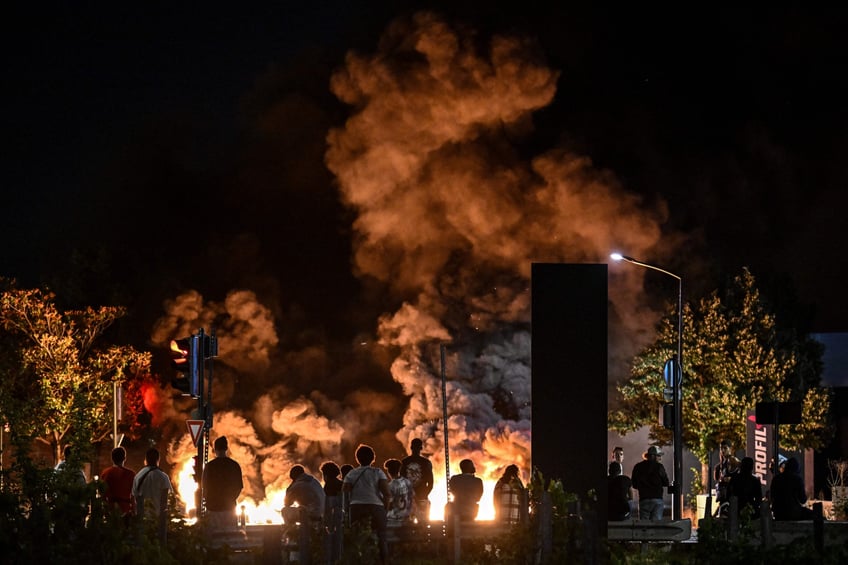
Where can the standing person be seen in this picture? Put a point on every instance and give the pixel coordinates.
(151, 487)
(119, 484)
(345, 469)
(649, 478)
(401, 502)
(727, 466)
(222, 483)
(419, 470)
(746, 488)
(787, 494)
(617, 455)
(510, 497)
(333, 514)
(306, 494)
(619, 493)
(467, 490)
(369, 495)
(73, 468)
(71, 508)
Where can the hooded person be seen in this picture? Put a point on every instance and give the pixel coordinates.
(788, 495)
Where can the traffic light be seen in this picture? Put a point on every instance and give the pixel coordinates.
(198, 469)
(210, 346)
(668, 415)
(188, 359)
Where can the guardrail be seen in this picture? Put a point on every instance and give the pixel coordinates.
(434, 535)
(646, 530)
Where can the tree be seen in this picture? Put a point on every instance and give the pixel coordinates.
(735, 354)
(55, 380)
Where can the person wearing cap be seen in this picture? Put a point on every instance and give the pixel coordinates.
(788, 496)
(222, 484)
(419, 471)
(649, 478)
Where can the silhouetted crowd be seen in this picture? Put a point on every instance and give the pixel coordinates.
(733, 478)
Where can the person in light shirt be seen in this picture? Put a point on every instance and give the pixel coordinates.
(151, 488)
(401, 491)
(368, 488)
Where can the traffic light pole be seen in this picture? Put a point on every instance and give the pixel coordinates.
(209, 350)
(192, 355)
(203, 442)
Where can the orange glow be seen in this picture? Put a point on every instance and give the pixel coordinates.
(151, 401)
(438, 499)
(268, 511)
(186, 486)
(263, 512)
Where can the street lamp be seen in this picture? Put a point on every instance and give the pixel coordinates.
(677, 387)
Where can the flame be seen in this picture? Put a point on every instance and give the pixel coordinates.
(263, 512)
(186, 487)
(268, 511)
(439, 497)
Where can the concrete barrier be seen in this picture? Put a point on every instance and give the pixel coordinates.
(646, 530)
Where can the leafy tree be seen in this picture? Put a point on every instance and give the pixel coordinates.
(735, 354)
(54, 378)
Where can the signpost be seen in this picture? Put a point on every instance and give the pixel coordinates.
(195, 429)
(777, 413)
(195, 356)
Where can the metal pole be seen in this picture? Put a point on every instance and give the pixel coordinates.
(445, 420)
(677, 391)
(204, 433)
(115, 441)
(677, 497)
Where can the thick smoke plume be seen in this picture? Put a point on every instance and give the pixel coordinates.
(449, 217)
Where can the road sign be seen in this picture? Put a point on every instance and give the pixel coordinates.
(195, 429)
(778, 412)
(671, 371)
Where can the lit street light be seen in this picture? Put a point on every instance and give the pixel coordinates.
(677, 388)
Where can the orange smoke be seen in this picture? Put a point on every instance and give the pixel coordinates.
(450, 216)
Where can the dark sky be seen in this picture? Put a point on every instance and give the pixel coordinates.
(129, 129)
(148, 152)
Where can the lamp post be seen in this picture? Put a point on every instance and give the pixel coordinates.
(677, 388)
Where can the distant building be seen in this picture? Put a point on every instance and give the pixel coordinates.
(835, 358)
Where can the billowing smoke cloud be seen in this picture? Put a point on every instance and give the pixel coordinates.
(245, 327)
(279, 429)
(450, 217)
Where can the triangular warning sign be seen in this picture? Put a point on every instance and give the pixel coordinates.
(195, 428)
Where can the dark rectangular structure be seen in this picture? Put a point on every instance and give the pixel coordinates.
(569, 377)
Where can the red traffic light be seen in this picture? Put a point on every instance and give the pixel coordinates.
(187, 359)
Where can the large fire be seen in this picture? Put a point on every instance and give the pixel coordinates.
(449, 218)
(268, 511)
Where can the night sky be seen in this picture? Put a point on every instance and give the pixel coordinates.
(151, 153)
